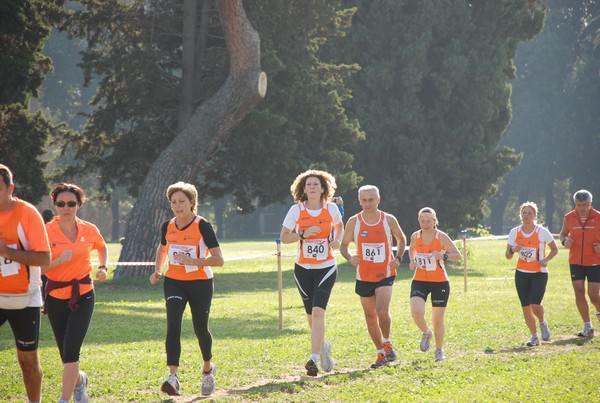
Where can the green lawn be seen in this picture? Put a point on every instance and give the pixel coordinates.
(486, 358)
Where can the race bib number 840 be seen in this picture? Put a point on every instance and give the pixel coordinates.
(315, 248)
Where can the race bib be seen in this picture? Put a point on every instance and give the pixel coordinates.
(528, 254)
(426, 261)
(188, 250)
(315, 249)
(7, 266)
(374, 252)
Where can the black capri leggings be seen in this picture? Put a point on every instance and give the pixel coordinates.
(531, 287)
(70, 327)
(199, 294)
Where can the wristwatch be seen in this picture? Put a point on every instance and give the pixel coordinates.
(446, 255)
(301, 234)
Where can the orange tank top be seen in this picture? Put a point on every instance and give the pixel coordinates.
(532, 251)
(188, 241)
(374, 247)
(314, 250)
(428, 267)
(585, 233)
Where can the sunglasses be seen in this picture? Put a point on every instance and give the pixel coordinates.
(69, 203)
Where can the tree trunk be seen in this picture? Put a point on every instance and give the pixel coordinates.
(219, 206)
(115, 198)
(550, 205)
(498, 206)
(208, 128)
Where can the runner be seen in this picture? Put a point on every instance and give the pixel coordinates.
(429, 250)
(372, 231)
(189, 243)
(529, 240)
(313, 217)
(23, 248)
(580, 234)
(70, 295)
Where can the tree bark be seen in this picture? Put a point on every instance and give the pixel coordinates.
(208, 128)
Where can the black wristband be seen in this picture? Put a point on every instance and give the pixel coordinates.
(511, 251)
(103, 267)
(399, 258)
(562, 241)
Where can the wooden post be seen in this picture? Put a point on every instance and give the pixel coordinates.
(464, 248)
(279, 283)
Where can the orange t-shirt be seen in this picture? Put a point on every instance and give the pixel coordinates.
(374, 247)
(21, 228)
(428, 267)
(88, 239)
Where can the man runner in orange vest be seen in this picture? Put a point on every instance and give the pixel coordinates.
(24, 248)
(581, 235)
(372, 230)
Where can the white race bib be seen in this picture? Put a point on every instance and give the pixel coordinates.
(315, 248)
(374, 252)
(426, 261)
(7, 266)
(188, 250)
(528, 254)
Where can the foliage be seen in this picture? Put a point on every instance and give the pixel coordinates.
(123, 353)
(135, 51)
(433, 99)
(24, 27)
(555, 120)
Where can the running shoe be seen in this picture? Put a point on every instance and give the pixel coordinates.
(545, 330)
(390, 354)
(439, 355)
(80, 394)
(325, 358)
(380, 361)
(311, 368)
(586, 332)
(208, 380)
(425, 339)
(535, 341)
(171, 386)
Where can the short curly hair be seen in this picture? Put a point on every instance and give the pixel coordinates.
(68, 187)
(188, 190)
(327, 183)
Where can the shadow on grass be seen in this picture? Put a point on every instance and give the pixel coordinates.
(289, 386)
(563, 341)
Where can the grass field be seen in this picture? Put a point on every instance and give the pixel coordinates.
(486, 359)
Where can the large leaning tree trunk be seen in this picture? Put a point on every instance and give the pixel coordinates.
(208, 128)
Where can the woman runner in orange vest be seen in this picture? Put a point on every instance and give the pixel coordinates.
(580, 234)
(189, 244)
(529, 241)
(313, 217)
(429, 250)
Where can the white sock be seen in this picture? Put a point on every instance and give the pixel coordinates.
(387, 340)
(314, 357)
(535, 336)
(587, 325)
(382, 351)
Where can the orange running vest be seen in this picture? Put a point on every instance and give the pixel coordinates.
(428, 267)
(374, 247)
(585, 233)
(315, 249)
(188, 241)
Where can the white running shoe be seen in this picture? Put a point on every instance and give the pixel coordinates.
(425, 339)
(439, 355)
(208, 380)
(545, 330)
(586, 332)
(171, 386)
(80, 394)
(325, 357)
(535, 341)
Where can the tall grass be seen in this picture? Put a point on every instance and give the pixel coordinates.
(486, 358)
